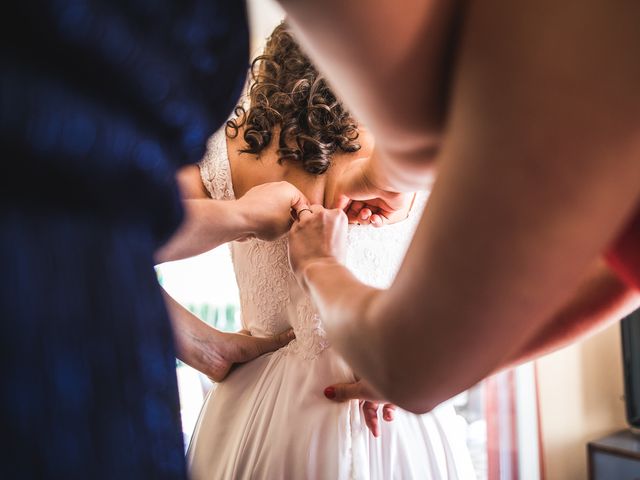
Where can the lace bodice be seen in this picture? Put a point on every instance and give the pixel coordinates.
(270, 298)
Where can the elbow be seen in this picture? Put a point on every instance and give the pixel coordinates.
(403, 370)
(418, 406)
(411, 395)
(411, 379)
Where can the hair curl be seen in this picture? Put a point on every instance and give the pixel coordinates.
(288, 92)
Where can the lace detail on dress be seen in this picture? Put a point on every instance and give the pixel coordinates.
(262, 272)
(270, 298)
(215, 170)
(374, 255)
(311, 338)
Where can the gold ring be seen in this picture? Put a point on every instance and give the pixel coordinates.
(303, 210)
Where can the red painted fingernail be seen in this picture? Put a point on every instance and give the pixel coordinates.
(330, 393)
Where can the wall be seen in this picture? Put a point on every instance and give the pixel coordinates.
(264, 15)
(581, 399)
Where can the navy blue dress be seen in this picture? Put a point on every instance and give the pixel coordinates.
(100, 102)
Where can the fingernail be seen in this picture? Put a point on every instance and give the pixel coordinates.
(330, 393)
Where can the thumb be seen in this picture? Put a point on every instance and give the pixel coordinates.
(299, 200)
(271, 344)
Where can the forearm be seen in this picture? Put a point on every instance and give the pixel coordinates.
(394, 173)
(355, 317)
(207, 224)
(600, 300)
(414, 360)
(344, 306)
(195, 340)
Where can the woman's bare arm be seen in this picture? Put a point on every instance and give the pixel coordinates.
(537, 173)
(207, 223)
(211, 351)
(263, 212)
(600, 299)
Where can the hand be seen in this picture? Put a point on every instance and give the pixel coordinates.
(377, 212)
(229, 349)
(369, 399)
(268, 208)
(360, 195)
(318, 235)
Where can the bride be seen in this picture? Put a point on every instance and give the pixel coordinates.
(269, 419)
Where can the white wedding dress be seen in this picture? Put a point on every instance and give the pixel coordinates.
(270, 419)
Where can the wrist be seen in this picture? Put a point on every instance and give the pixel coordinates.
(211, 356)
(244, 220)
(310, 269)
(398, 176)
(374, 175)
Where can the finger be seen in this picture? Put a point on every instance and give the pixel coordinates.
(346, 208)
(301, 211)
(388, 410)
(244, 331)
(354, 210)
(372, 423)
(298, 200)
(271, 344)
(376, 220)
(341, 392)
(356, 206)
(358, 390)
(370, 413)
(364, 214)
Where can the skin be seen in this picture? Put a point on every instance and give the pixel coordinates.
(249, 173)
(600, 300)
(266, 192)
(537, 172)
(211, 351)
(263, 212)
